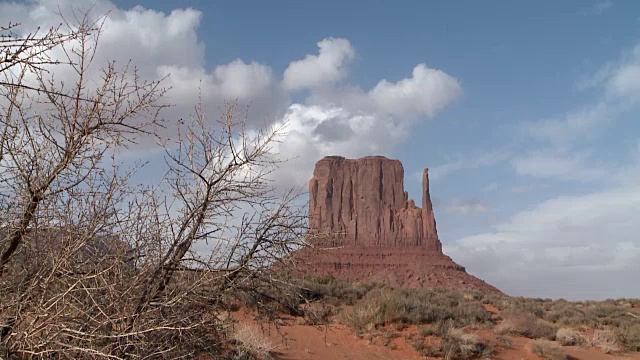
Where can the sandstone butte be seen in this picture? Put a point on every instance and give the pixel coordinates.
(363, 227)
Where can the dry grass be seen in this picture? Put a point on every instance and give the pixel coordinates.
(546, 350)
(606, 340)
(250, 340)
(569, 337)
(458, 345)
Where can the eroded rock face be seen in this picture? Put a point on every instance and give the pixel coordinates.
(363, 203)
(364, 228)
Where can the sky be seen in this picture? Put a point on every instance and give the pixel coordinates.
(524, 112)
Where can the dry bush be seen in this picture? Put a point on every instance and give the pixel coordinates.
(457, 344)
(251, 340)
(546, 350)
(606, 340)
(426, 350)
(93, 265)
(569, 337)
(364, 316)
(332, 291)
(569, 314)
(524, 324)
(629, 336)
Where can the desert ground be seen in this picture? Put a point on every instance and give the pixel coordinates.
(355, 321)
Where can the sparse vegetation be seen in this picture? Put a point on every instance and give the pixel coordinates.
(629, 336)
(525, 324)
(547, 350)
(458, 345)
(606, 340)
(414, 306)
(569, 337)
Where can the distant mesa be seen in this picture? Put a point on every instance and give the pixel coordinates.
(363, 227)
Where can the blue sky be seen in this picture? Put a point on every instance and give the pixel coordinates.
(525, 112)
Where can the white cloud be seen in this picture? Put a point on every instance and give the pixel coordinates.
(163, 45)
(317, 131)
(467, 207)
(352, 122)
(426, 92)
(566, 237)
(240, 80)
(468, 162)
(328, 67)
(575, 126)
(626, 80)
(572, 166)
(602, 6)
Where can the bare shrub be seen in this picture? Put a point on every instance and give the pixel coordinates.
(546, 350)
(569, 337)
(93, 265)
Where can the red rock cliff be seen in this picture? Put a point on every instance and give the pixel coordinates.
(363, 203)
(363, 227)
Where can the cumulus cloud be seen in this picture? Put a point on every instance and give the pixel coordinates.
(467, 207)
(334, 119)
(162, 45)
(315, 131)
(426, 92)
(328, 67)
(352, 122)
(570, 238)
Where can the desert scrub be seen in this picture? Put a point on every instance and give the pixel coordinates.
(524, 324)
(414, 306)
(606, 340)
(333, 291)
(546, 350)
(569, 337)
(569, 314)
(629, 336)
(614, 315)
(427, 331)
(457, 344)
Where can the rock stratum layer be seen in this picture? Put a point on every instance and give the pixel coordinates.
(363, 227)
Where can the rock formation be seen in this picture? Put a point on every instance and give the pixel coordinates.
(363, 203)
(363, 227)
